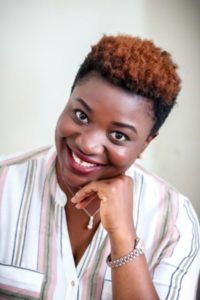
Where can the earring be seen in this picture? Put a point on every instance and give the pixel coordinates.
(140, 156)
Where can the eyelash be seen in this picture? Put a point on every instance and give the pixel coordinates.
(76, 111)
(116, 141)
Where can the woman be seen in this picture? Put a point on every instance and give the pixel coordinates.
(73, 218)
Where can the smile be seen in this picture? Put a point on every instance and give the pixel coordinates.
(82, 162)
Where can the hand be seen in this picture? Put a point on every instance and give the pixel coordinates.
(116, 204)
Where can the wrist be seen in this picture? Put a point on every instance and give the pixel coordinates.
(122, 234)
(122, 244)
(137, 249)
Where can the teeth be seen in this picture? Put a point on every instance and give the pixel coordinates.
(82, 162)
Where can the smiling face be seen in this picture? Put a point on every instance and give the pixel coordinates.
(100, 133)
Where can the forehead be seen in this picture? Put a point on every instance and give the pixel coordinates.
(102, 95)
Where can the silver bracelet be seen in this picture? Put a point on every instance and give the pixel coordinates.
(137, 250)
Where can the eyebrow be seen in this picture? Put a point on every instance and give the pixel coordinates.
(84, 104)
(119, 124)
(124, 125)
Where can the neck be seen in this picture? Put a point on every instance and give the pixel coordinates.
(68, 190)
(91, 209)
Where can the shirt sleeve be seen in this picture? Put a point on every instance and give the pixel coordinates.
(176, 277)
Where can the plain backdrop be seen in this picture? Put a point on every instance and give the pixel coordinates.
(42, 43)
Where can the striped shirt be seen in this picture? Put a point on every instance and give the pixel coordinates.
(36, 259)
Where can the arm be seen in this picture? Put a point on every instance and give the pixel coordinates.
(132, 280)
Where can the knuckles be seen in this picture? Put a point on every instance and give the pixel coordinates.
(113, 185)
(120, 183)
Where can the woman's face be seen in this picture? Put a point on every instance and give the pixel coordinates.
(100, 133)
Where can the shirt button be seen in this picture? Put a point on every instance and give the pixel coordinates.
(72, 283)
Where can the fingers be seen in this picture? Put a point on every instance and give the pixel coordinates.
(85, 202)
(101, 189)
(85, 192)
(88, 193)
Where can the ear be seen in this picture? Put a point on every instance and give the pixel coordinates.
(148, 140)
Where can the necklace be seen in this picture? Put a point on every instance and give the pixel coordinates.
(91, 220)
(91, 217)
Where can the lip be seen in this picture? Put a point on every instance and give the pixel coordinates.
(85, 158)
(79, 168)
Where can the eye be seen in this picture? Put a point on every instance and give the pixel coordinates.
(119, 136)
(81, 116)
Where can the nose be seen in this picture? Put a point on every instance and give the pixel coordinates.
(90, 142)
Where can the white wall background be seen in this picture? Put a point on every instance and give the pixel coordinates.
(42, 44)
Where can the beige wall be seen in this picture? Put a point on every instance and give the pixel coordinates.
(43, 42)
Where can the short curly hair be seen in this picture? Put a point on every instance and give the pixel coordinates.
(138, 66)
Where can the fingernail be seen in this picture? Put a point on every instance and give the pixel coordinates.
(73, 200)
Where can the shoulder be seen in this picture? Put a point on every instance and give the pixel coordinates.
(139, 173)
(169, 212)
(23, 157)
(169, 226)
(17, 170)
(15, 166)
(158, 191)
(22, 180)
(153, 190)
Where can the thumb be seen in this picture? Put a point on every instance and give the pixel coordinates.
(85, 192)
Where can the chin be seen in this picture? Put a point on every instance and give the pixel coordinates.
(68, 178)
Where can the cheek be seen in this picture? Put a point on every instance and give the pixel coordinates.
(124, 158)
(64, 127)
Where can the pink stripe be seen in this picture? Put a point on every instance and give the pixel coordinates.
(100, 277)
(85, 280)
(157, 226)
(53, 270)
(51, 161)
(159, 222)
(45, 213)
(17, 291)
(86, 283)
(2, 298)
(170, 230)
(102, 270)
(173, 232)
(43, 228)
(20, 157)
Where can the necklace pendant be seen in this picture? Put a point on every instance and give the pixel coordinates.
(90, 224)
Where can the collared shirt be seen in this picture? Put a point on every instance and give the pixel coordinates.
(36, 259)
